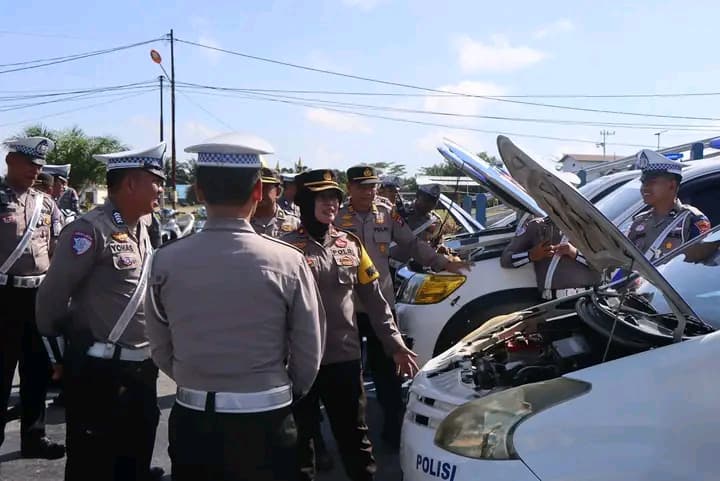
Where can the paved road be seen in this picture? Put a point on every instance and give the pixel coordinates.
(13, 468)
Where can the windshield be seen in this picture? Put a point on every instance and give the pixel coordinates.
(617, 203)
(694, 272)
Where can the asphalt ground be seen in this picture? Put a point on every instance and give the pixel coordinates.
(14, 468)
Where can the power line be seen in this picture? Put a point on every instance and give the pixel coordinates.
(323, 102)
(434, 124)
(59, 93)
(57, 114)
(11, 108)
(216, 118)
(70, 58)
(405, 94)
(426, 89)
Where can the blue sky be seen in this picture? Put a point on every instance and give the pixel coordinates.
(487, 48)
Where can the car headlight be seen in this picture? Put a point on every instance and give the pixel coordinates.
(483, 429)
(429, 288)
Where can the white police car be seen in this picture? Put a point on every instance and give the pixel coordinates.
(613, 384)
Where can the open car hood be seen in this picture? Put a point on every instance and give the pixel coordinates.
(494, 180)
(602, 244)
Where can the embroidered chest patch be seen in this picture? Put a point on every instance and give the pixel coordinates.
(81, 243)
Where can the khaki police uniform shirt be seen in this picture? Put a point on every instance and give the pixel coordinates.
(647, 227)
(429, 233)
(16, 211)
(343, 269)
(95, 269)
(376, 230)
(569, 273)
(227, 307)
(276, 226)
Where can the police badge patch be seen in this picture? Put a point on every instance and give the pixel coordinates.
(81, 243)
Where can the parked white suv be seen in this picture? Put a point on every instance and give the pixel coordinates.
(437, 310)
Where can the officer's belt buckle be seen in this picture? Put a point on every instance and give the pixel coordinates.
(3, 279)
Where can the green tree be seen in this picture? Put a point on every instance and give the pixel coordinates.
(441, 170)
(75, 147)
(491, 159)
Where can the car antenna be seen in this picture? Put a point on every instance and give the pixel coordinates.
(615, 312)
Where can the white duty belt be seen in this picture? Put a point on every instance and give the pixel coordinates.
(652, 251)
(234, 402)
(28, 281)
(131, 307)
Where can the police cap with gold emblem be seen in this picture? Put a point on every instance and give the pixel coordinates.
(268, 176)
(34, 148)
(150, 159)
(363, 174)
(318, 180)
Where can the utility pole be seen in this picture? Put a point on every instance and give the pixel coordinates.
(602, 144)
(161, 78)
(172, 115)
(657, 134)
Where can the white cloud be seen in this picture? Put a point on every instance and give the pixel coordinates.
(197, 131)
(338, 121)
(212, 55)
(363, 4)
(497, 56)
(560, 26)
(463, 105)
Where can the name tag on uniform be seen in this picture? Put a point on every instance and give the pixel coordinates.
(121, 247)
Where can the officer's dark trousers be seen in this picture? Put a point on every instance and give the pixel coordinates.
(388, 385)
(20, 341)
(340, 387)
(112, 414)
(209, 446)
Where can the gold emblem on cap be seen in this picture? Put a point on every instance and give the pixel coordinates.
(368, 173)
(327, 175)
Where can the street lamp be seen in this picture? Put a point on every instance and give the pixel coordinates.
(157, 58)
(658, 136)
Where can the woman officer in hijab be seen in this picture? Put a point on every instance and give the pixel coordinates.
(344, 272)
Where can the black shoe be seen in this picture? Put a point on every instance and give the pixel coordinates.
(42, 448)
(156, 473)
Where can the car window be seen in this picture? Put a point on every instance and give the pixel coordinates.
(617, 203)
(694, 272)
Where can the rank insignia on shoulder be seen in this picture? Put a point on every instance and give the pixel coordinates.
(703, 225)
(119, 236)
(117, 218)
(81, 242)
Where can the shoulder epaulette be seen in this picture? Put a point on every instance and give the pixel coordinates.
(281, 242)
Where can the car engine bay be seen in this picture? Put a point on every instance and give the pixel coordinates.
(544, 344)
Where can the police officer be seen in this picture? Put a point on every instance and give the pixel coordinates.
(269, 218)
(93, 298)
(374, 220)
(242, 336)
(343, 270)
(30, 225)
(44, 183)
(287, 199)
(668, 223)
(65, 196)
(422, 220)
(560, 269)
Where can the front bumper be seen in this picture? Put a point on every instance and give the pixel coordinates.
(421, 460)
